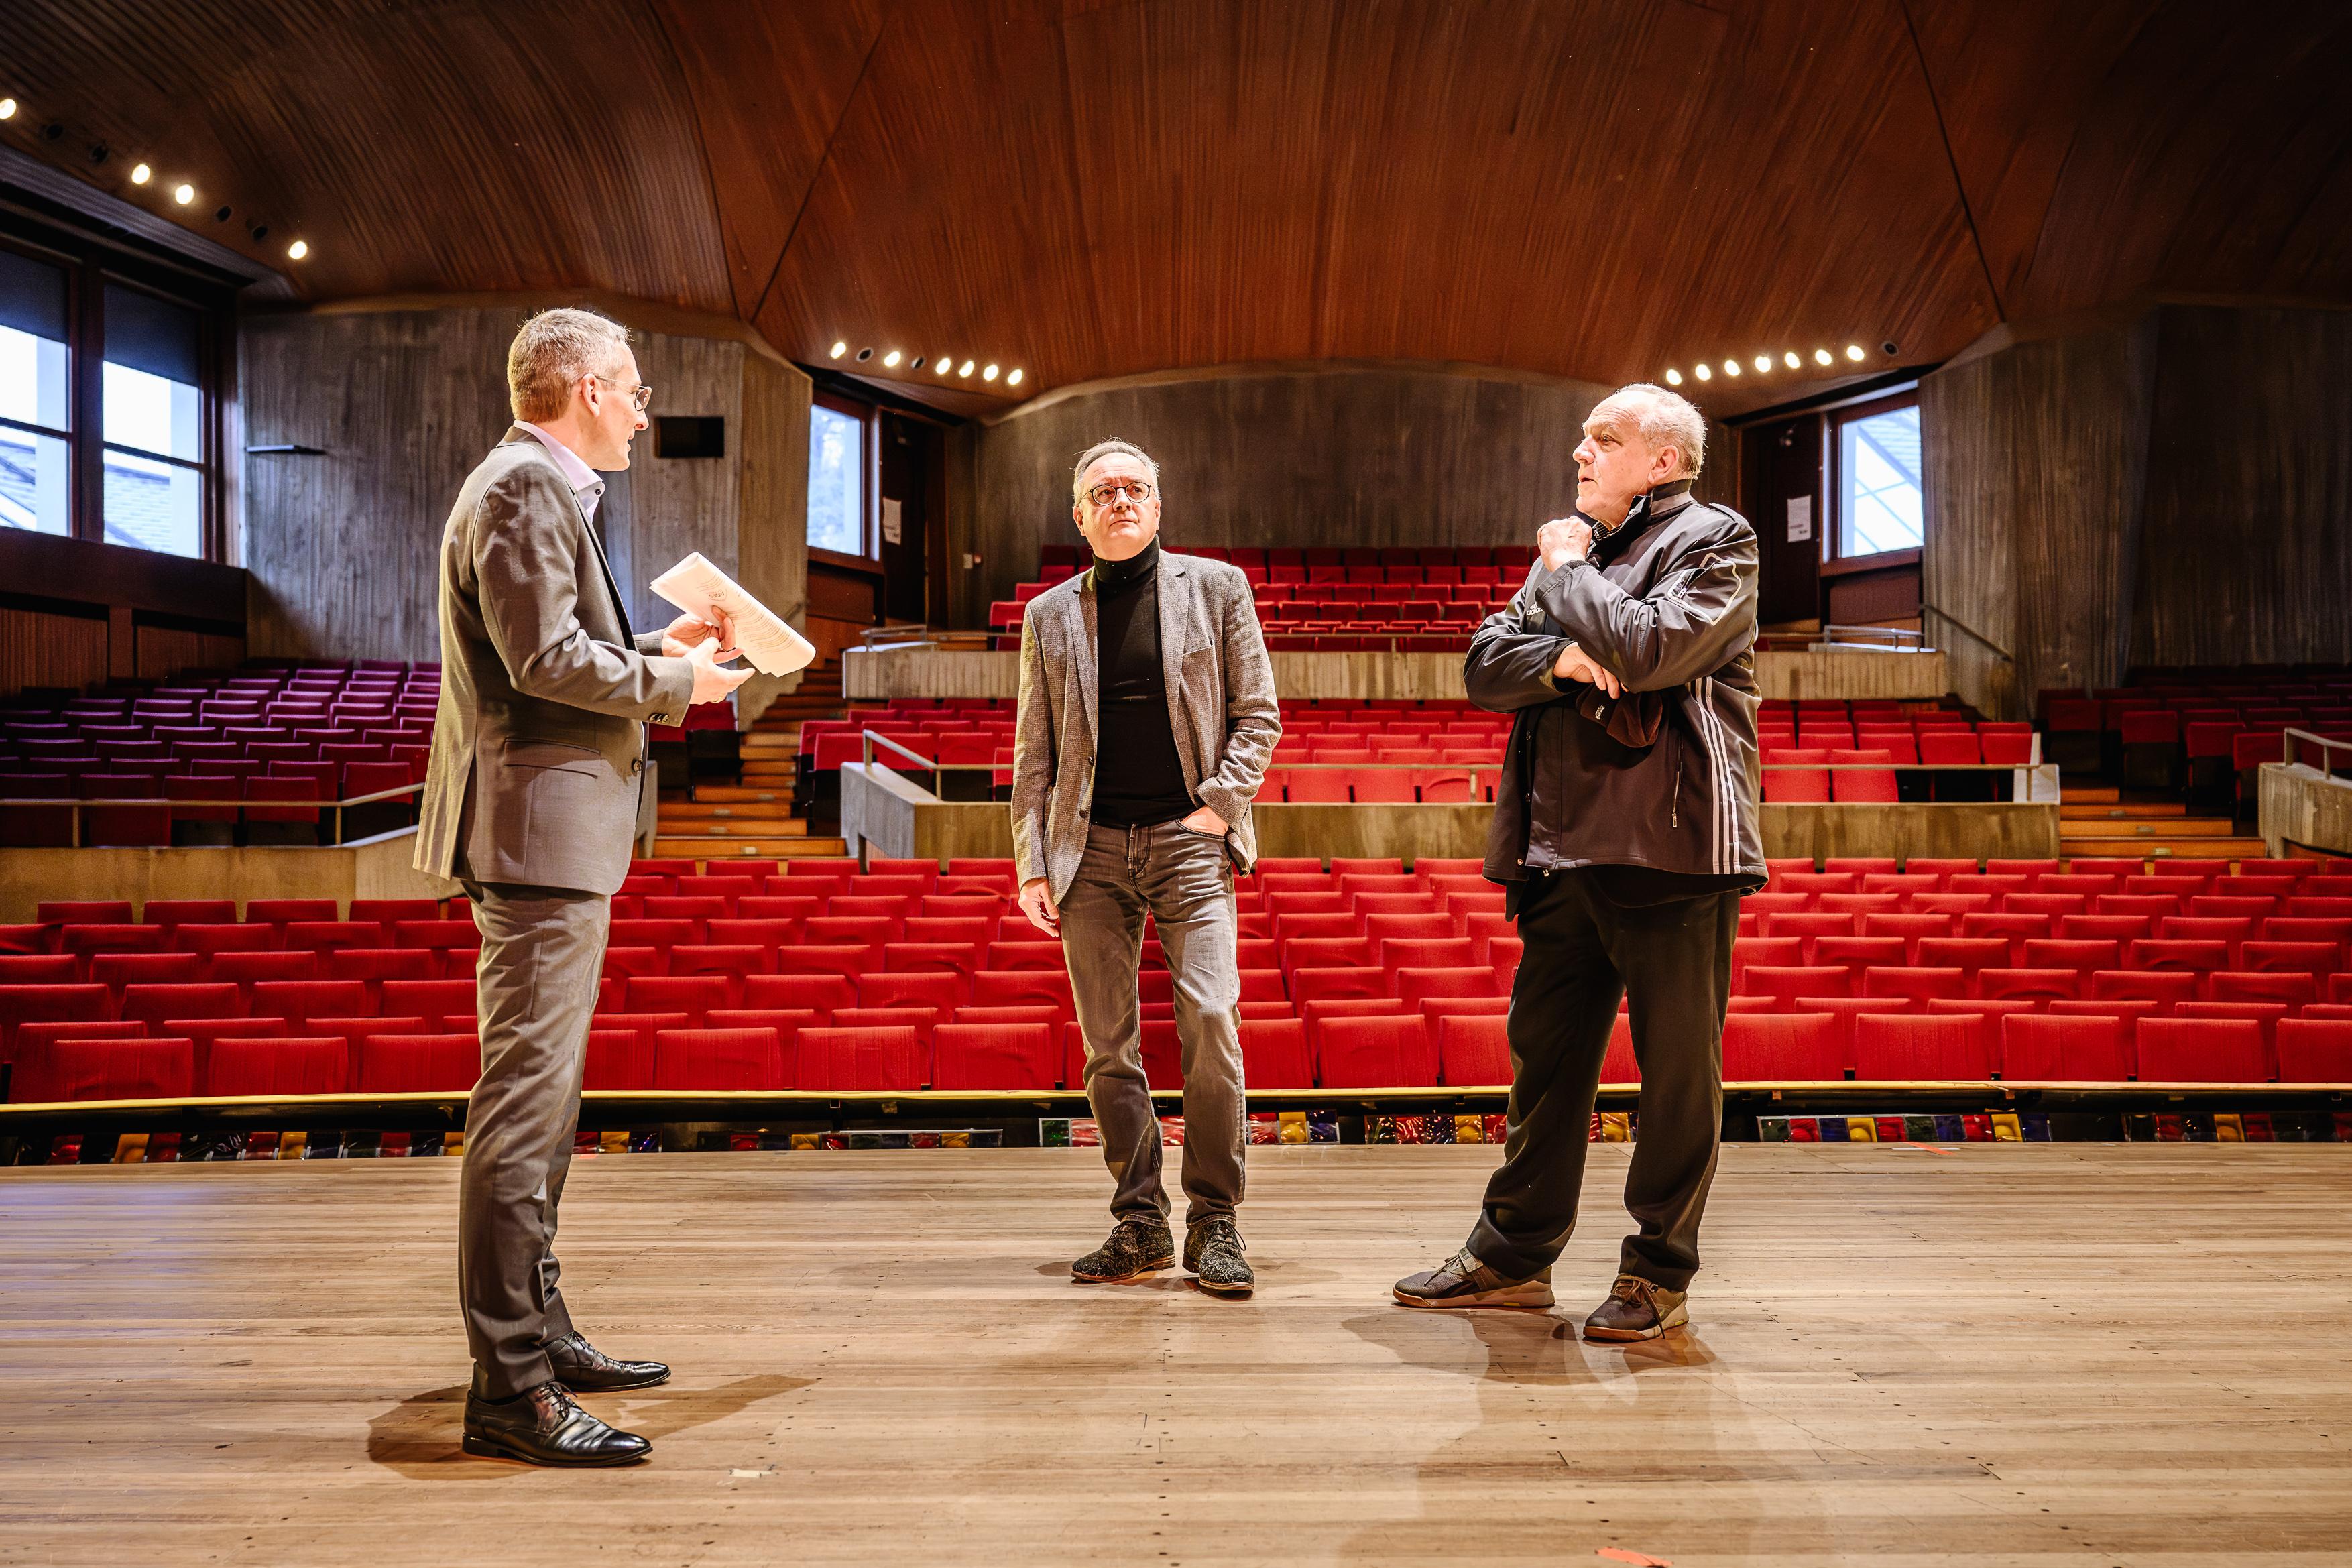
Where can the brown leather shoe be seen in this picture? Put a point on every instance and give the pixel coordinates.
(1637, 1309)
(543, 1425)
(583, 1369)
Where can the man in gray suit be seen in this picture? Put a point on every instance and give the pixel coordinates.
(1147, 718)
(530, 801)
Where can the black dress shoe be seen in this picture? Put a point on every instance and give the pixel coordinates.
(583, 1369)
(543, 1427)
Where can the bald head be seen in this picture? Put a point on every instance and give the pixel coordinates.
(1635, 439)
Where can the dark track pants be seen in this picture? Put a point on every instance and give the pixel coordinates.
(1582, 951)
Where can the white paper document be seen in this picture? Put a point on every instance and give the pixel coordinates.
(701, 590)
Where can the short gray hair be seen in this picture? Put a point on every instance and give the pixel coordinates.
(1669, 418)
(553, 349)
(1101, 449)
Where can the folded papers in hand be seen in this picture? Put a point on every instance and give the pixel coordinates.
(704, 592)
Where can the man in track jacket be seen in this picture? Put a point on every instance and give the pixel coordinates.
(1625, 833)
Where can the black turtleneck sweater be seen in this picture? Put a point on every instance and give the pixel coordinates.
(1138, 778)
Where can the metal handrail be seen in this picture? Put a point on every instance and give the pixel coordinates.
(2326, 747)
(1944, 614)
(1900, 637)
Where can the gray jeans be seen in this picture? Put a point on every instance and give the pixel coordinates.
(1185, 879)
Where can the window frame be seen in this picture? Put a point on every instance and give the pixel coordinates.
(91, 265)
(1835, 555)
(868, 556)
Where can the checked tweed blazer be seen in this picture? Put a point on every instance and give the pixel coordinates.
(1220, 699)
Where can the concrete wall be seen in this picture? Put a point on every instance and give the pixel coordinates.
(1329, 452)
(378, 868)
(343, 547)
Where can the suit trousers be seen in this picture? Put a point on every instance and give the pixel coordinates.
(1582, 951)
(1185, 881)
(543, 954)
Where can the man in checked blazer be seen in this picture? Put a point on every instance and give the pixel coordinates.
(530, 801)
(1147, 718)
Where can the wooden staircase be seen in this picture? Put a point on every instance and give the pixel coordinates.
(2096, 821)
(753, 819)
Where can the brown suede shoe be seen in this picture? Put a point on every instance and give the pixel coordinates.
(1464, 1281)
(1637, 1309)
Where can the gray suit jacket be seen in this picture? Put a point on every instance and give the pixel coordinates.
(1220, 699)
(539, 744)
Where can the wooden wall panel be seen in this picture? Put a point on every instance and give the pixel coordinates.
(663, 508)
(2247, 553)
(2035, 461)
(40, 649)
(1383, 454)
(2168, 492)
(343, 548)
(773, 497)
(165, 651)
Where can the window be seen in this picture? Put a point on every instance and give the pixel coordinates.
(109, 422)
(35, 397)
(154, 417)
(840, 476)
(1877, 491)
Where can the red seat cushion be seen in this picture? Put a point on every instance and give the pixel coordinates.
(110, 1069)
(1921, 1046)
(419, 1063)
(849, 1058)
(1376, 1053)
(308, 1064)
(2315, 1051)
(1782, 1047)
(995, 1056)
(1275, 1054)
(720, 1058)
(2201, 1051)
(2043, 1047)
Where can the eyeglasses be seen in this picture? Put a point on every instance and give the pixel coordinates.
(640, 395)
(1137, 490)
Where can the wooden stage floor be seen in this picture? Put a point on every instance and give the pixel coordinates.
(1991, 1353)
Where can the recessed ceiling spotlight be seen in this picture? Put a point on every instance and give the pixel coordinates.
(1763, 363)
(1674, 378)
(8, 108)
(1853, 351)
(1790, 359)
(946, 364)
(965, 369)
(989, 374)
(1014, 380)
(1702, 372)
(299, 249)
(864, 355)
(259, 232)
(1731, 367)
(892, 359)
(183, 195)
(141, 175)
(839, 349)
(1820, 355)
(221, 216)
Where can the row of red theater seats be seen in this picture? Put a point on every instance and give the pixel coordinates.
(756, 1052)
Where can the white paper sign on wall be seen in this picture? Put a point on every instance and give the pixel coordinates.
(893, 527)
(1800, 518)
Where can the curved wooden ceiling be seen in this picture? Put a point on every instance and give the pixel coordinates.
(1090, 188)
